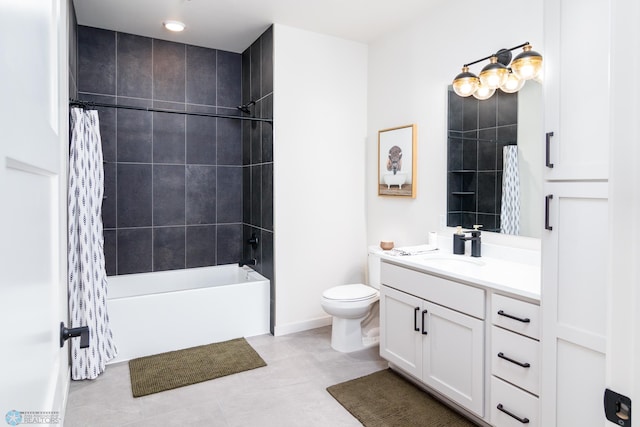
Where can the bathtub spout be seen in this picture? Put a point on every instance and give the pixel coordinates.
(251, 261)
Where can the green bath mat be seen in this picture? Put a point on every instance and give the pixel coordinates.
(385, 399)
(166, 371)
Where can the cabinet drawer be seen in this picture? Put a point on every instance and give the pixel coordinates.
(521, 405)
(515, 315)
(448, 293)
(509, 352)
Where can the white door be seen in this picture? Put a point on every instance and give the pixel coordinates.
(33, 124)
(401, 330)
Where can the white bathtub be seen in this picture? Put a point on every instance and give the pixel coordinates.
(156, 312)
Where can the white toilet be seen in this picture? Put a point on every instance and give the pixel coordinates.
(356, 321)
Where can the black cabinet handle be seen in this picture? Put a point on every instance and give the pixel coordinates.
(548, 159)
(512, 415)
(524, 365)
(547, 202)
(510, 316)
(424, 332)
(415, 319)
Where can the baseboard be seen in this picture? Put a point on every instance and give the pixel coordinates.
(305, 325)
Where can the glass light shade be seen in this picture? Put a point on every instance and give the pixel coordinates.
(483, 92)
(527, 64)
(175, 26)
(494, 74)
(465, 83)
(513, 84)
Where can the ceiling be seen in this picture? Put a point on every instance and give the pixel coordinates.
(232, 25)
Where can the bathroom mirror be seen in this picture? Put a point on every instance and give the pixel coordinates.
(477, 134)
(397, 161)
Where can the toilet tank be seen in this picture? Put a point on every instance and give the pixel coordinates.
(373, 262)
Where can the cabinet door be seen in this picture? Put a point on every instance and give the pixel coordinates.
(577, 102)
(454, 356)
(575, 304)
(401, 330)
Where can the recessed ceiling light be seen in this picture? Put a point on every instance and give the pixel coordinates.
(174, 25)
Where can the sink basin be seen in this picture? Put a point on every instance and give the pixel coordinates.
(452, 262)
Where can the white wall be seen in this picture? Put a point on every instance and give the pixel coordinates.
(408, 76)
(320, 107)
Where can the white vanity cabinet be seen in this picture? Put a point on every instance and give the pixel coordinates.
(433, 329)
(515, 362)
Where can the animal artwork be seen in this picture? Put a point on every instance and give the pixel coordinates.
(394, 163)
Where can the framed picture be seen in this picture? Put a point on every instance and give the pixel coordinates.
(397, 161)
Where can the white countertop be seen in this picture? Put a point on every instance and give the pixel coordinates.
(510, 276)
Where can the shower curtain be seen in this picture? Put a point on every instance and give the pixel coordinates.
(87, 277)
(510, 210)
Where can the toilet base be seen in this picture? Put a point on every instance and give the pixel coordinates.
(346, 335)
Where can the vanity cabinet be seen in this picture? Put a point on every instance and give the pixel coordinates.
(515, 362)
(433, 329)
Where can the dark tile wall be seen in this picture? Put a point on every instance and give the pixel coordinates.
(477, 132)
(73, 50)
(173, 183)
(257, 157)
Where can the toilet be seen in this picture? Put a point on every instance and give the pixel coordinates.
(354, 307)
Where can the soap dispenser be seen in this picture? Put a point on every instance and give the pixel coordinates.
(458, 241)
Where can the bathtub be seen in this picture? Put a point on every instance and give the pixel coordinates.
(151, 313)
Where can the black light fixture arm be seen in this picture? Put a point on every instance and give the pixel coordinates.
(498, 54)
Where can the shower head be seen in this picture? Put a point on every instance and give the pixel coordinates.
(245, 107)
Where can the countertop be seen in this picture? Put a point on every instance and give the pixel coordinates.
(508, 276)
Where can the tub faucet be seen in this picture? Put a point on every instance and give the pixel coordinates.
(244, 262)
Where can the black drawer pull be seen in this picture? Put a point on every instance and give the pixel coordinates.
(415, 319)
(547, 203)
(524, 365)
(547, 161)
(522, 420)
(519, 319)
(424, 331)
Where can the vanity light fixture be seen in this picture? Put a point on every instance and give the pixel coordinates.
(500, 73)
(175, 26)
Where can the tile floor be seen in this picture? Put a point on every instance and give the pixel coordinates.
(289, 391)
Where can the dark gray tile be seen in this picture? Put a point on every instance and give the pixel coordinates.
(267, 196)
(228, 247)
(507, 108)
(454, 116)
(169, 78)
(201, 245)
(110, 252)
(229, 73)
(246, 142)
(256, 136)
(169, 143)
(134, 142)
(135, 251)
(168, 248)
(508, 134)
(134, 195)
(487, 112)
(255, 70)
(96, 60)
(267, 261)
(201, 75)
(487, 149)
(256, 195)
(246, 194)
(469, 154)
(229, 142)
(487, 192)
(469, 113)
(73, 48)
(201, 140)
(134, 66)
(109, 216)
(229, 194)
(168, 195)
(266, 59)
(267, 129)
(246, 75)
(454, 153)
(201, 195)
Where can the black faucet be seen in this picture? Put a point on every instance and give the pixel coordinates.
(251, 261)
(476, 243)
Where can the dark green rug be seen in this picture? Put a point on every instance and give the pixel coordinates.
(166, 371)
(385, 399)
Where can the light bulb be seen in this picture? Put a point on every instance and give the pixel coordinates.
(175, 26)
(528, 64)
(483, 92)
(494, 74)
(465, 83)
(513, 84)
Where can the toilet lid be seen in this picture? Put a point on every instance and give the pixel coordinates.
(357, 292)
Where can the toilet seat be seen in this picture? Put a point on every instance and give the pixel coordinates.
(355, 292)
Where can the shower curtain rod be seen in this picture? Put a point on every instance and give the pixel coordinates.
(85, 104)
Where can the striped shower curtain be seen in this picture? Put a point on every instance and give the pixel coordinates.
(87, 277)
(510, 209)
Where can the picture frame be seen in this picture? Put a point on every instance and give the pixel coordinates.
(397, 161)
